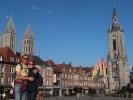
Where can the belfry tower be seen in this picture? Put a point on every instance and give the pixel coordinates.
(28, 42)
(117, 58)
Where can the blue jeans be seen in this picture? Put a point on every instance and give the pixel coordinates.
(19, 95)
(32, 95)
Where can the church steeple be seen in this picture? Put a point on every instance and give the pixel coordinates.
(117, 58)
(28, 42)
(28, 32)
(9, 36)
(115, 20)
(10, 28)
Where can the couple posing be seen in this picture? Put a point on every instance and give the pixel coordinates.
(27, 80)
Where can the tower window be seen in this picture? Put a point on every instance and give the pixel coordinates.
(11, 38)
(116, 79)
(24, 42)
(114, 44)
(115, 55)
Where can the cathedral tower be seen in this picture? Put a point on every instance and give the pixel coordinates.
(28, 42)
(117, 58)
(9, 36)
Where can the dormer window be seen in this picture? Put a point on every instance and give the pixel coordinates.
(17, 60)
(11, 58)
(1, 58)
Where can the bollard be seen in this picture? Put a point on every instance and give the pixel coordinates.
(124, 95)
(129, 96)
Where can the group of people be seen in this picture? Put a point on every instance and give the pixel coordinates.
(27, 81)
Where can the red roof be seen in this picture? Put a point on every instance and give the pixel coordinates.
(61, 67)
(6, 53)
(65, 67)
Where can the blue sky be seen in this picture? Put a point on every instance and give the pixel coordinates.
(69, 30)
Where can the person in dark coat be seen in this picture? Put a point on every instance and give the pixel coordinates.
(32, 85)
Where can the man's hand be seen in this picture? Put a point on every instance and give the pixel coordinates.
(30, 78)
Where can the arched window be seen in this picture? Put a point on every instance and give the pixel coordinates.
(114, 44)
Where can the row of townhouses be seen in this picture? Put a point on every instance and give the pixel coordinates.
(59, 79)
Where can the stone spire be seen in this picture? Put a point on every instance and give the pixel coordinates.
(115, 20)
(9, 36)
(28, 42)
(10, 28)
(28, 32)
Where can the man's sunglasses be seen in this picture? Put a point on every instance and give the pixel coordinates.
(25, 58)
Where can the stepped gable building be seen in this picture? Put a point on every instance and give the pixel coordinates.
(9, 35)
(28, 42)
(117, 58)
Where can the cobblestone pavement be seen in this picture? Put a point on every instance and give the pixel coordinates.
(87, 98)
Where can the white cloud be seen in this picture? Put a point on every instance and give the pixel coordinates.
(35, 8)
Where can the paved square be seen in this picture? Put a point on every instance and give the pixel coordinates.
(86, 98)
